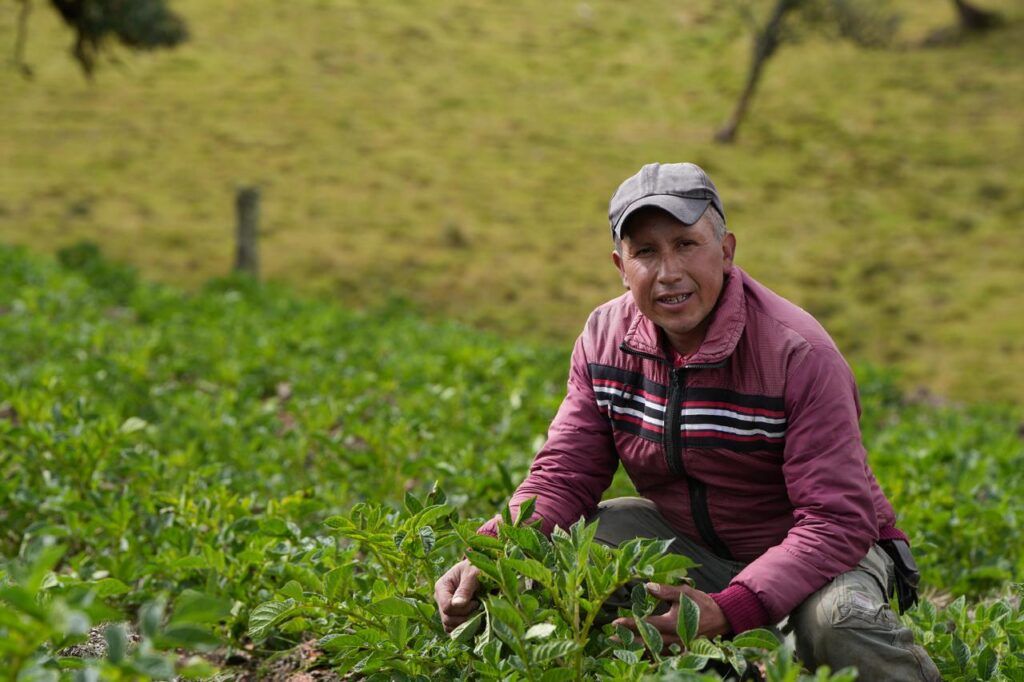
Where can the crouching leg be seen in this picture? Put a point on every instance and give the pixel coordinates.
(849, 623)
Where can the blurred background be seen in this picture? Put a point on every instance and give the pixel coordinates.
(458, 155)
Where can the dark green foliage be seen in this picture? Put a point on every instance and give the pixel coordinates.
(241, 466)
(138, 24)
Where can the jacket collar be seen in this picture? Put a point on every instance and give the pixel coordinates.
(728, 319)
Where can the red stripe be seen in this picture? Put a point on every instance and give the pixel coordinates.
(636, 420)
(629, 389)
(731, 436)
(735, 408)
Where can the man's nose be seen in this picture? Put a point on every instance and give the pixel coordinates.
(670, 270)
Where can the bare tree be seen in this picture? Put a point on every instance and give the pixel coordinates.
(865, 24)
(765, 43)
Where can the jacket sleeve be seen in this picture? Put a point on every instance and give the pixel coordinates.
(824, 466)
(576, 464)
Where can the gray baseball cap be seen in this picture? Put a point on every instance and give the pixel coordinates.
(682, 189)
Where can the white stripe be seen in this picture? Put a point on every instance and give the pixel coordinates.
(631, 396)
(729, 429)
(635, 413)
(709, 412)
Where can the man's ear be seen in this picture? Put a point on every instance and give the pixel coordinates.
(617, 259)
(728, 251)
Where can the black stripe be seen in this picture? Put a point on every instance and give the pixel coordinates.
(635, 429)
(710, 442)
(634, 380)
(721, 395)
(632, 402)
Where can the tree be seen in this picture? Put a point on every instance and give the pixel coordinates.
(137, 24)
(868, 25)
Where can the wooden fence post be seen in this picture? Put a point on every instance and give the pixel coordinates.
(247, 205)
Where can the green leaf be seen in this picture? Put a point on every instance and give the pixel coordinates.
(292, 589)
(154, 665)
(197, 607)
(395, 606)
(540, 631)
(268, 614)
(532, 569)
(109, 587)
(428, 539)
(150, 615)
(486, 565)
(757, 639)
(24, 601)
(556, 648)
(961, 653)
(702, 646)
(526, 510)
(627, 655)
(133, 424)
(986, 663)
(465, 632)
(412, 504)
(398, 631)
(557, 675)
(274, 527)
(335, 581)
(117, 642)
(185, 636)
(502, 612)
(652, 638)
(688, 620)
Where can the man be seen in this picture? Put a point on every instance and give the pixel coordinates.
(736, 418)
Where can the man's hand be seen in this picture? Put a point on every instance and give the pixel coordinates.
(711, 624)
(454, 593)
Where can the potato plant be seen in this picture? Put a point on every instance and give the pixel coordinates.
(238, 470)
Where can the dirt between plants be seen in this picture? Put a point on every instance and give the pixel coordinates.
(298, 664)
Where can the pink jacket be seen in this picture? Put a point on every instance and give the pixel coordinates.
(752, 447)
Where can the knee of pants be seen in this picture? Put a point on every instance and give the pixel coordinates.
(624, 518)
(849, 623)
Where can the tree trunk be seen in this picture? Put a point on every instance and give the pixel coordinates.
(765, 43)
(973, 18)
(21, 37)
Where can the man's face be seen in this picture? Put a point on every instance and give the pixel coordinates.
(675, 272)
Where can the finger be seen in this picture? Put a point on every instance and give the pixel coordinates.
(450, 623)
(663, 592)
(466, 590)
(465, 609)
(628, 623)
(665, 624)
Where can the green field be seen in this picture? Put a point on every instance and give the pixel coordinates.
(245, 477)
(459, 155)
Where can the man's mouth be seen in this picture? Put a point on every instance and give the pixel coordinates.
(673, 299)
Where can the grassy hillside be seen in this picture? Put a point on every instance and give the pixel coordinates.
(460, 154)
(252, 463)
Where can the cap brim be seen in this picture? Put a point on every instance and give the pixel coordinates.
(686, 211)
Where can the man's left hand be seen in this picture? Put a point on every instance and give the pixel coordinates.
(711, 624)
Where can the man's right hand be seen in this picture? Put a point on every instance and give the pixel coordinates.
(454, 593)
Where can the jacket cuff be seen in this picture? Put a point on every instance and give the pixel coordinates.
(490, 528)
(742, 608)
(892, 533)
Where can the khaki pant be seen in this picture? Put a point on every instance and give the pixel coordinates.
(848, 622)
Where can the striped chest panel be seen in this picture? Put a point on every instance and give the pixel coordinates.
(710, 417)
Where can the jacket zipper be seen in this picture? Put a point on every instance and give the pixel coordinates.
(675, 444)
